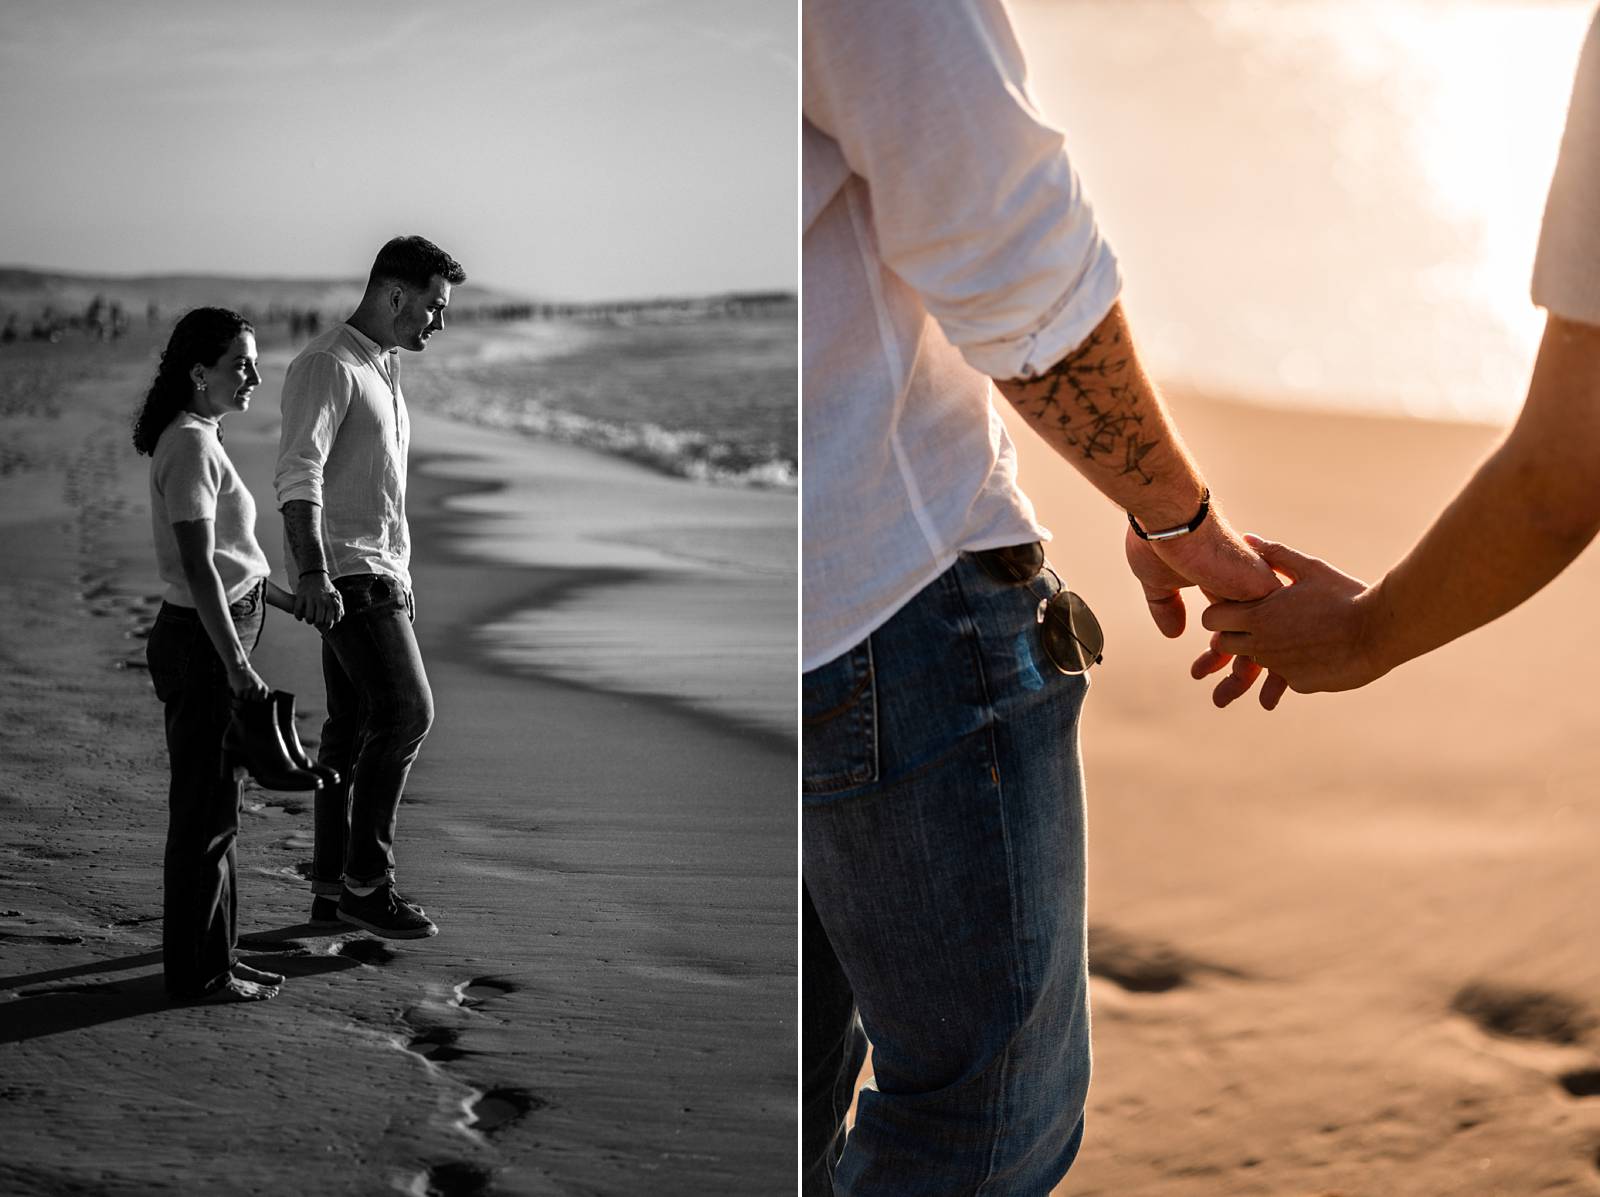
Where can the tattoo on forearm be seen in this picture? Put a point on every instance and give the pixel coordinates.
(300, 529)
(1091, 402)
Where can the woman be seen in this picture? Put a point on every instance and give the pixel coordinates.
(199, 649)
(1530, 508)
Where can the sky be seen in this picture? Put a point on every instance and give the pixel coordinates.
(563, 149)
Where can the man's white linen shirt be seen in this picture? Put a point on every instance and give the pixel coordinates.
(946, 241)
(343, 447)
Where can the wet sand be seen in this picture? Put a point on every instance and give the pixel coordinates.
(608, 1007)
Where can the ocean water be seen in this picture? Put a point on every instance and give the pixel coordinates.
(1326, 203)
(682, 581)
(711, 398)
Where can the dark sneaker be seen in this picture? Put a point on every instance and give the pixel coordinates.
(380, 913)
(324, 911)
(405, 901)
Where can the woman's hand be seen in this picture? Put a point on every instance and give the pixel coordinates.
(1318, 634)
(245, 682)
(278, 597)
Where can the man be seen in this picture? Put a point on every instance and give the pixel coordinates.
(341, 486)
(1522, 518)
(947, 242)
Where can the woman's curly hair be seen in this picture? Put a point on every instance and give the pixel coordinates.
(200, 337)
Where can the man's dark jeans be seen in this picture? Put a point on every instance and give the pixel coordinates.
(943, 855)
(379, 711)
(200, 901)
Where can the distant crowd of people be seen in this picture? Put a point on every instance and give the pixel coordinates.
(107, 320)
(103, 320)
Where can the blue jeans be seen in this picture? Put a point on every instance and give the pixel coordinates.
(379, 711)
(943, 858)
(200, 898)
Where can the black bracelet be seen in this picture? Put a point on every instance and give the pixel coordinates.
(304, 572)
(1181, 529)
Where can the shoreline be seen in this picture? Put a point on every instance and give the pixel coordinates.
(551, 584)
(614, 976)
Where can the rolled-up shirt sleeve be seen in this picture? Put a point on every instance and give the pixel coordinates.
(974, 202)
(316, 395)
(1566, 272)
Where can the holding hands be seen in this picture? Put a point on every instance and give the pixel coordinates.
(1317, 634)
(317, 601)
(1224, 566)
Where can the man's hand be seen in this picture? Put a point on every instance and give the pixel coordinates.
(1215, 558)
(1315, 635)
(317, 601)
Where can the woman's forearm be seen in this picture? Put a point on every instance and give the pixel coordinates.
(211, 602)
(1521, 519)
(196, 545)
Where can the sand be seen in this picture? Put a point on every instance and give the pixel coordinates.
(608, 1007)
(1348, 947)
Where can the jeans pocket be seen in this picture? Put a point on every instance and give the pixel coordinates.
(839, 724)
(370, 593)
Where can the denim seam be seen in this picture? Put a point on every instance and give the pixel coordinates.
(860, 710)
(974, 637)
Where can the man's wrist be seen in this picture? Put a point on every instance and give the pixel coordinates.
(1174, 506)
(1156, 533)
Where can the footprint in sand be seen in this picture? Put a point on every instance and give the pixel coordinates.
(437, 1044)
(1535, 1016)
(1583, 1082)
(367, 951)
(1146, 965)
(469, 995)
(453, 1180)
(499, 1108)
(1516, 1013)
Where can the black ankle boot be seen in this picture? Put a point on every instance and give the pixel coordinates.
(253, 739)
(283, 711)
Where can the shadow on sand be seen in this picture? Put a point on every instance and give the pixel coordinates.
(50, 1002)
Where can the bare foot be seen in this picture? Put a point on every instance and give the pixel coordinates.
(244, 972)
(235, 989)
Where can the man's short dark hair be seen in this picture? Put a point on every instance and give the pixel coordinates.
(414, 261)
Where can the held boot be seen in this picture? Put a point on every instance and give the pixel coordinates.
(253, 739)
(283, 711)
